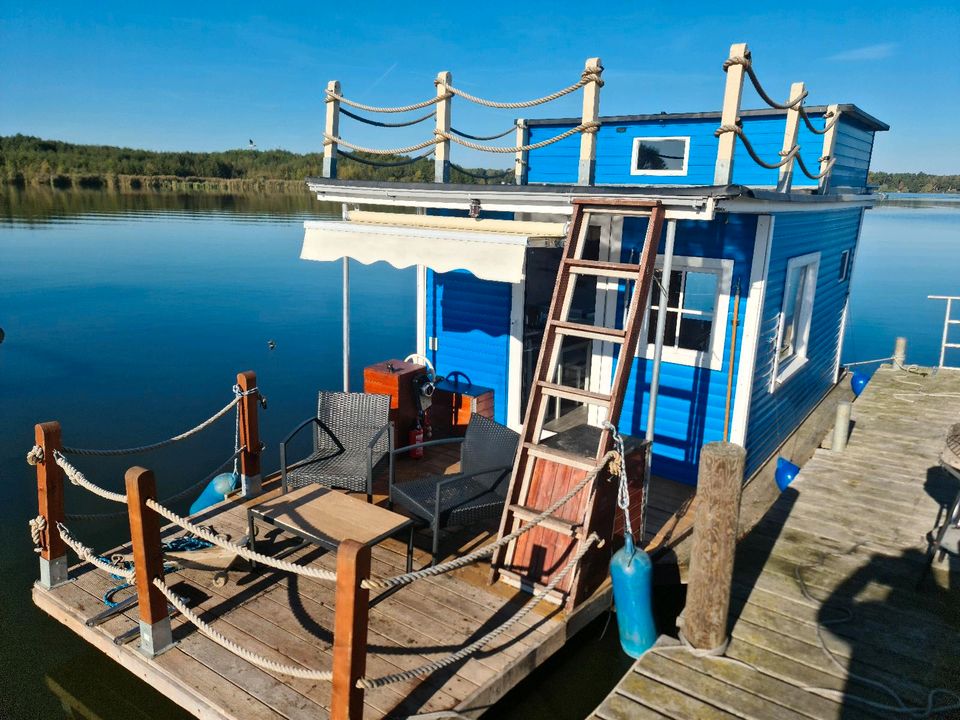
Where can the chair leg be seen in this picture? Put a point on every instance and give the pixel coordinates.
(436, 543)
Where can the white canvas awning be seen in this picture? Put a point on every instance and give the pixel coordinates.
(489, 249)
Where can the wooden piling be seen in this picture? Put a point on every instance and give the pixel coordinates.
(900, 351)
(332, 128)
(790, 134)
(249, 434)
(352, 606)
(841, 427)
(441, 156)
(591, 112)
(53, 551)
(719, 485)
(155, 634)
(829, 146)
(520, 158)
(727, 143)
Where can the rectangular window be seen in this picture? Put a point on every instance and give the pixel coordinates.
(660, 156)
(793, 331)
(696, 319)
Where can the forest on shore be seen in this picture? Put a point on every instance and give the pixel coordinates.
(27, 161)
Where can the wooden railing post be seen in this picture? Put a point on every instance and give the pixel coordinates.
(591, 111)
(520, 160)
(441, 155)
(53, 551)
(829, 145)
(332, 128)
(790, 134)
(723, 172)
(155, 633)
(350, 630)
(249, 434)
(714, 543)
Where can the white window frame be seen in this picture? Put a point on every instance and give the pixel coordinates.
(712, 358)
(784, 371)
(636, 151)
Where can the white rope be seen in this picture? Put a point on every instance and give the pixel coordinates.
(37, 526)
(169, 441)
(85, 553)
(585, 79)
(487, 550)
(467, 651)
(590, 127)
(77, 478)
(35, 455)
(329, 139)
(331, 96)
(291, 670)
(241, 550)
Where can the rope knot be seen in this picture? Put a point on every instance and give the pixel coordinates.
(37, 526)
(744, 60)
(35, 455)
(588, 76)
(735, 129)
(590, 127)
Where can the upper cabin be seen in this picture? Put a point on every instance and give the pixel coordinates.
(763, 213)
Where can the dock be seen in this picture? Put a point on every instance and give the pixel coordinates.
(826, 618)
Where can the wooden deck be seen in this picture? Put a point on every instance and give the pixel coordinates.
(289, 619)
(854, 527)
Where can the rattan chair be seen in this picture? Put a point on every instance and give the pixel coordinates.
(352, 434)
(945, 540)
(478, 492)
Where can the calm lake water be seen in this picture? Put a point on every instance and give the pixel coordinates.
(127, 318)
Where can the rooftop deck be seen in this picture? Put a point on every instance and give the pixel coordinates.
(288, 619)
(853, 526)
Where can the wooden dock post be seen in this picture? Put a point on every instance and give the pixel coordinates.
(829, 145)
(841, 427)
(351, 608)
(719, 486)
(441, 156)
(249, 434)
(53, 551)
(520, 160)
(723, 172)
(591, 111)
(900, 351)
(332, 128)
(155, 633)
(790, 133)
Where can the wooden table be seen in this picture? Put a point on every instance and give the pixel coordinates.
(327, 517)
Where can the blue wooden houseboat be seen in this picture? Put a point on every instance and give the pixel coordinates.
(763, 213)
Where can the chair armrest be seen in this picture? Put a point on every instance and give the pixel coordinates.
(298, 428)
(377, 434)
(428, 443)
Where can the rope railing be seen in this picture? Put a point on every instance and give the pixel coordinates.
(329, 139)
(482, 138)
(377, 163)
(747, 63)
(468, 650)
(477, 176)
(824, 173)
(380, 123)
(87, 554)
(826, 125)
(738, 131)
(78, 478)
(585, 78)
(331, 96)
(235, 648)
(590, 127)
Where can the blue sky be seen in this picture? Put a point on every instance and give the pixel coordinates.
(210, 76)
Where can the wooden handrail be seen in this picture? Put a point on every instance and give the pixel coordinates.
(249, 434)
(352, 611)
(53, 551)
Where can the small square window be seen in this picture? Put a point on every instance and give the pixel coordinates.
(660, 156)
(844, 266)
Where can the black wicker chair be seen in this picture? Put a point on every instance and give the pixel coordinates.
(478, 492)
(352, 434)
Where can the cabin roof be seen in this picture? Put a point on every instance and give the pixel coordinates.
(849, 110)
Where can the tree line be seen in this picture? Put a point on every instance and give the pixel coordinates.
(915, 182)
(32, 161)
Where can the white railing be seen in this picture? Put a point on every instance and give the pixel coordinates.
(948, 320)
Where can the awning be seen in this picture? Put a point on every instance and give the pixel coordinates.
(489, 249)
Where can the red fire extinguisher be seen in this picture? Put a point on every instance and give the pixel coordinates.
(415, 437)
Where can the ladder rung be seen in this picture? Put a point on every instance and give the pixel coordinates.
(561, 457)
(589, 332)
(575, 394)
(514, 579)
(551, 522)
(603, 269)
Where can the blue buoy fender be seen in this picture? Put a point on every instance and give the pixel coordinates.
(858, 381)
(786, 473)
(215, 491)
(632, 574)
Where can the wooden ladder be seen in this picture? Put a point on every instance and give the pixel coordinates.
(542, 473)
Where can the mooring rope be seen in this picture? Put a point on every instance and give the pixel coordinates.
(826, 126)
(169, 441)
(738, 131)
(37, 526)
(77, 478)
(85, 553)
(826, 170)
(329, 139)
(239, 650)
(588, 127)
(483, 137)
(377, 163)
(747, 64)
(379, 123)
(586, 78)
(331, 96)
(468, 650)
(487, 550)
(241, 550)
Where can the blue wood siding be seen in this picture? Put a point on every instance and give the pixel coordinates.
(853, 149)
(773, 416)
(557, 163)
(691, 401)
(471, 320)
